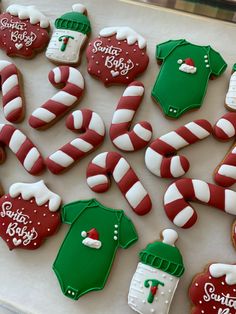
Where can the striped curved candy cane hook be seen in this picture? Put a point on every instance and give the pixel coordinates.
(113, 163)
(25, 151)
(160, 156)
(61, 102)
(179, 193)
(127, 106)
(225, 129)
(93, 128)
(13, 107)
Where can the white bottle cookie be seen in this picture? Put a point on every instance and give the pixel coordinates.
(230, 99)
(157, 275)
(69, 36)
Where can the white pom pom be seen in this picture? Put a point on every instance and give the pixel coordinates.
(79, 8)
(83, 234)
(170, 236)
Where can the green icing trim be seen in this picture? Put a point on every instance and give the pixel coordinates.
(234, 67)
(153, 289)
(74, 21)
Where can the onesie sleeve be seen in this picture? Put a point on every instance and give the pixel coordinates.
(72, 210)
(217, 63)
(164, 49)
(127, 233)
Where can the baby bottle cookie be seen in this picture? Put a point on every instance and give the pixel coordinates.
(157, 275)
(69, 36)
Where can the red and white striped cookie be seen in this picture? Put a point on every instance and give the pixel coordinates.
(93, 128)
(115, 164)
(225, 129)
(127, 106)
(61, 102)
(160, 156)
(22, 147)
(13, 108)
(182, 191)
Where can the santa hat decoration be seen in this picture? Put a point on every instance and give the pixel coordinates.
(91, 238)
(187, 66)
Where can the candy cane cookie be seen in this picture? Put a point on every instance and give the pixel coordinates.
(179, 193)
(160, 156)
(93, 128)
(22, 147)
(127, 106)
(61, 102)
(113, 163)
(225, 129)
(13, 107)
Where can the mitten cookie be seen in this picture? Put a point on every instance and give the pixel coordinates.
(213, 291)
(28, 214)
(157, 275)
(23, 30)
(117, 55)
(69, 36)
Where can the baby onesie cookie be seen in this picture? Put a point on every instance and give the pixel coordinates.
(69, 36)
(157, 276)
(28, 215)
(86, 255)
(117, 55)
(213, 291)
(182, 81)
(24, 31)
(230, 98)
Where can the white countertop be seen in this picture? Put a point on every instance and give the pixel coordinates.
(28, 283)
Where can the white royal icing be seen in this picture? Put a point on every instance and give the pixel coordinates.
(37, 190)
(230, 99)
(136, 194)
(229, 271)
(28, 12)
(122, 33)
(170, 236)
(95, 244)
(187, 68)
(138, 293)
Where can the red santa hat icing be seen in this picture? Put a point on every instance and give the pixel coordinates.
(187, 66)
(91, 239)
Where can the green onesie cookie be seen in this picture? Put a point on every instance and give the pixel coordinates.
(182, 82)
(85, 258)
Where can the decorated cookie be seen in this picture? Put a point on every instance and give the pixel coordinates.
(225, 129)
(213, 291)
(117, 55)
(25, 151)
(179, 193)
(69, 36)
(13, 104)
(71, 82)
(93, 128)
(121, 136)
(160, 156)
(24, 30)
(112, 163)
(85, 258)
(230, 99)
(157, 276)
(28, 214)
(182, 81)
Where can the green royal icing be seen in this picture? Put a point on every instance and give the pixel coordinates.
(153, 284)
(178, 91)
(64, 39)
(74, 21)
(234, 67)
(80, 268)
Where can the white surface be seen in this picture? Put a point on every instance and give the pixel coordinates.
(27, 280)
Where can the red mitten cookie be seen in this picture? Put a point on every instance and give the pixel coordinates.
(24, 31)
(28, 214)
(117, 56)
(213, 292)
